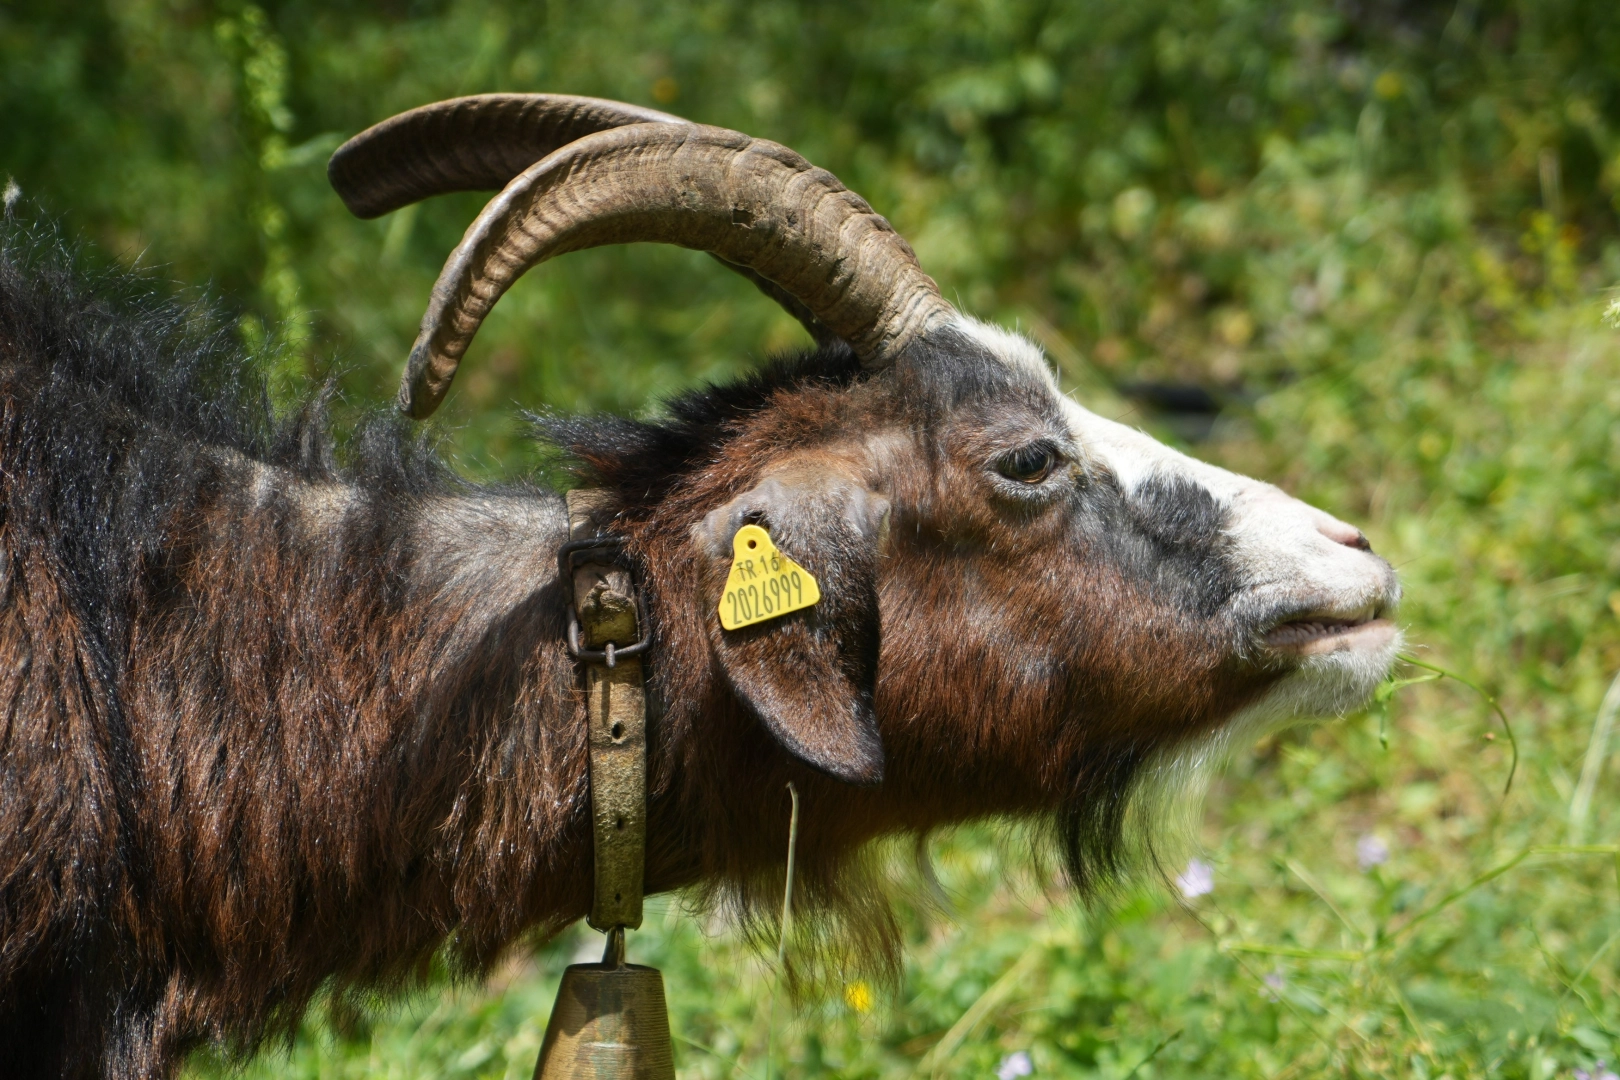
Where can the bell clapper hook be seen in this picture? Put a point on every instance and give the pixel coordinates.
(613, 954)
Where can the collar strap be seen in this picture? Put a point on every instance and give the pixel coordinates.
(608, 633)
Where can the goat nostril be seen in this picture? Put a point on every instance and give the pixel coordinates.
(1357, 539)
(1340, 533)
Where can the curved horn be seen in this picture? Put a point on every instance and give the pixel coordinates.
(750, 202)
(480, 143)
(466, 144)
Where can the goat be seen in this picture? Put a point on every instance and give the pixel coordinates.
(272, 724)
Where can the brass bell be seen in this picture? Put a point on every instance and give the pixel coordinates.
(610, 1022)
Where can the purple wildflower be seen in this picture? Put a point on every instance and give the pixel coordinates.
(1015, 1065)
(1371, 851)
(1197, 880)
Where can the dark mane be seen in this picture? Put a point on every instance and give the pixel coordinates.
(165, 370)
(112, 339)
(78, 335)
(642, 459)
(114, 390)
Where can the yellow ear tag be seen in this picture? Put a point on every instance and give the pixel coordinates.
(764, 583)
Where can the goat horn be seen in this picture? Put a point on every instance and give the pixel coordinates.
(480, 143)
(483, 142)
(752, 203)
(466, 144)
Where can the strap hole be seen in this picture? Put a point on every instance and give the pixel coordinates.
(618, 730)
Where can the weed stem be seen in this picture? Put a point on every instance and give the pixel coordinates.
(1513, 743)
(787, 925)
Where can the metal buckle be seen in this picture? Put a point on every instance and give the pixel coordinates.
(612, 547)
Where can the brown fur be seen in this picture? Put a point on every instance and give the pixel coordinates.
(307, 731)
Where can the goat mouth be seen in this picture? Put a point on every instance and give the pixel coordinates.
(1317, 634)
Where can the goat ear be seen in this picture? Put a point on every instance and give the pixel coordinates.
(809, 676)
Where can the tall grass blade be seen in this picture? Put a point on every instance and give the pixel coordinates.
(934, 1062)
(1153, 1053)
(1597, 748)
(787, 925)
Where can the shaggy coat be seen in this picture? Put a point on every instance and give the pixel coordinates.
(271, 724)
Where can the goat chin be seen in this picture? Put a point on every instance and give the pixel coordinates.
(1167, 803)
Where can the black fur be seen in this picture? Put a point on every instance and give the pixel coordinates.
(127, 383)
(643, 459)
(115, 401)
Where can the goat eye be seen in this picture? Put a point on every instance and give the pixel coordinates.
(1030, 464)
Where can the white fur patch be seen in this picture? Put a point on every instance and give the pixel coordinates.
(485, 553)
(1170, 792)
(498, 547)
(1013, 349)
(320, 506)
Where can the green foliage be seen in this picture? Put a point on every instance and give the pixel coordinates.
(1382, 232)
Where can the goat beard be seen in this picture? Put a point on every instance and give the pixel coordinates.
(1128, 815)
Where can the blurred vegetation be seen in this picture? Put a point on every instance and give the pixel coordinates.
(1378, 235)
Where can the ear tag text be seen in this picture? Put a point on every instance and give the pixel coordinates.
(764, 583)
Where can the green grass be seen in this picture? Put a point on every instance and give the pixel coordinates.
(1388, 243)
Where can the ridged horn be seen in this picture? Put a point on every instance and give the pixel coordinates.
(584, 172)
(467, 144)
(751, 202)
(480, 143)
